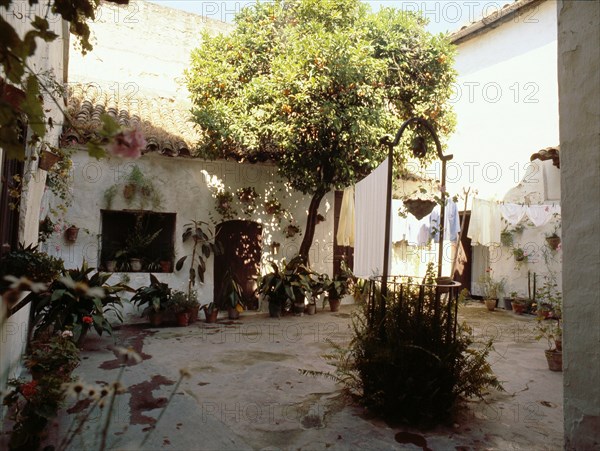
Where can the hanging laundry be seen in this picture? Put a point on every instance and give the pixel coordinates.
(541, 215)
(399, 223)
(485, 225)
(418, 230)
(513, 213)
(370, 205)
(451, 220)
(345, 233)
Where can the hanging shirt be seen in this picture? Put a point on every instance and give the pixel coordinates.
(451, 220)
(345, 233)
(485, 226)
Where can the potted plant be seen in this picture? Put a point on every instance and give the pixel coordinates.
(271, 287)
(192, 306)
(180, 306)
(551, 330)
(48, 159)
(273, 207)
(230, 295)
(57, 355)
(155, 298)
(506, 237)
(29, 262)
(79, 300)
(224, 204)
(71, 233)
(211, 311)
(508, 300)
(166, 261)
(552, 239)
(136, 245)
(490, 289)
(337, 287)
(292, 230)
(248, 197)
(419, 208)
(519, 254)
(202, 248)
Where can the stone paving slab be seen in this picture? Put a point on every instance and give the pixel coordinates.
(246, 391)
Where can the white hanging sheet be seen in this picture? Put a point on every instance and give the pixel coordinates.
(345, 233)
(485, 225)
(399, 223)
(370, 205)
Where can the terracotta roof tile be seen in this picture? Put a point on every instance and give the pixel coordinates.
(549, 153)
(164, 121)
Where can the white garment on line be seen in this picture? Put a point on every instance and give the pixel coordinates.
(513, 213)
(370, 208)
(451, 220)
(485, 226)
(541, 214)
(345, 233)
(399, 223)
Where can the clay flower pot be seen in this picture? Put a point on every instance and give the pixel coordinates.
(211, 317)
(47, 160)
(183, 319)
(554, 358)
(71, 234)
(491, 304)
(553, 242)
(518, 307)
(334, 304)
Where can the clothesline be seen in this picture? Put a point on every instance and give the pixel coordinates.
(485, 227)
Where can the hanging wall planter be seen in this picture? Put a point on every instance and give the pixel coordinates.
(553, 242)
(419, 208)
(47, 160)
(71, 234)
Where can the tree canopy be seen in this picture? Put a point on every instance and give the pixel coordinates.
(313, 85)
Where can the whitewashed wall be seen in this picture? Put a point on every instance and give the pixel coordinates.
(506, 102)
(48, 57)
(187, 187)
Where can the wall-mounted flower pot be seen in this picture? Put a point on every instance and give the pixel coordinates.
(553, 242)
(419, 208)
(47, 160)
(71, 234)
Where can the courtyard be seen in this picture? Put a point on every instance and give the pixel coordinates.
(246, 390)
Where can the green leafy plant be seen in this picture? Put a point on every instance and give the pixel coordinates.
(230, 292)
(181, 302)
(490, 287)
(28, 261)
(77, 300)
(154, 297)
(224, 204)
(58, 356)
(203, 246)
(318, 98)
(409, 366)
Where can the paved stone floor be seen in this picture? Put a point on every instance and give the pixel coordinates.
(246, 391)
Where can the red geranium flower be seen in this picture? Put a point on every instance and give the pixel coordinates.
(29, 389)
(88, 320)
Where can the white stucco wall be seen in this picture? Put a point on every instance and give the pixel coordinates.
(48, 57)
(579, 82)
(141, 47)
(506, 102)
(187, 188)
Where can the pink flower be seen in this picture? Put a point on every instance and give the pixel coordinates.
(559, 247)
(128, 144)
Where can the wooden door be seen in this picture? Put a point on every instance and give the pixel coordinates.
(242, 250)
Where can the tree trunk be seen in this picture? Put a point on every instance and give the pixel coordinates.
(311, 222)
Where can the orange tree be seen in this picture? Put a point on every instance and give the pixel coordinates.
(313, 85)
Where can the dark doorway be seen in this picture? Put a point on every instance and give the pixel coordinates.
(242, 249)
(462, 272)
(340, 253)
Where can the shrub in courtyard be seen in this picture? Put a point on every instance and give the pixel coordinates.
(409, 360)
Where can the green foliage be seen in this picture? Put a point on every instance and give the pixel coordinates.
(31, 263)
(156, 296)
(314, 85)
(203, 247)
(76, 295)
(181, 301)
(15, 55)
(404, 361)
(230, 292)
(58, 355)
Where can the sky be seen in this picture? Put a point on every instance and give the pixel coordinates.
(444, 15)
